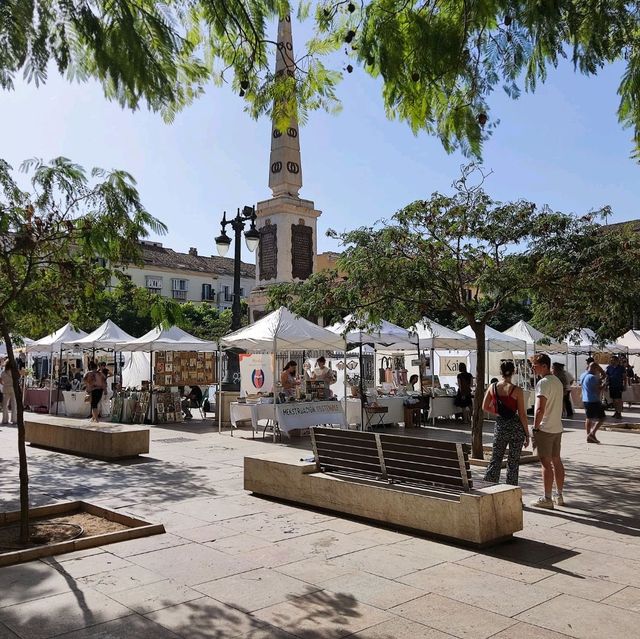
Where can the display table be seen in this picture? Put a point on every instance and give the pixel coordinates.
(74, 404)
(289, 416)
(442, 406)
(296, 415)
(249, 412)
(395, 414)
(38, 397)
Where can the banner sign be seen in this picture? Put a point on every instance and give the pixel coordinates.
(305, 414)
(256, 374)
(450, 366)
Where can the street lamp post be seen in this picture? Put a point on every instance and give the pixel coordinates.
(223, 241)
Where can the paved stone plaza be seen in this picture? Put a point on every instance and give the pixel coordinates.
(234, 565)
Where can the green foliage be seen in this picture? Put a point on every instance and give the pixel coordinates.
(439, 60)
(52, 235)
(204, 321)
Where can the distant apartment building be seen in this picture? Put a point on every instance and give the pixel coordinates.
(189, 277)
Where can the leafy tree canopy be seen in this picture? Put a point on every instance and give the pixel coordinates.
(439, 60)
(474, 258)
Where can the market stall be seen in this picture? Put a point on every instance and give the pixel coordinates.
(282, 330)
(176, 359)
(383, 336)
(64, 338)
(583, 343)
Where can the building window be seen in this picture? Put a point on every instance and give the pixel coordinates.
(179, 285)
(228, 295)
(208, 294)
(241, 292)
(153, 284)
(179, 295)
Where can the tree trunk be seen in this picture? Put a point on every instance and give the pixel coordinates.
(477, 420)
(22, 450)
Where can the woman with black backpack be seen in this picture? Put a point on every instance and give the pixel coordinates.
(506, 401)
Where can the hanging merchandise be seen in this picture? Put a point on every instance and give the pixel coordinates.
(388, 372)
(384, 364)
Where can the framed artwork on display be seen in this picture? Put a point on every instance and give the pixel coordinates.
(192, 362)
(208, 355)
(169, 356)
(168, 380)
(160, 355)
(160, 407)
(159, 367)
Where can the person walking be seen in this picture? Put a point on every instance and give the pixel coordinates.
(566, 378)
(95, 385)
(8, 396)
(506, 400)
(617, 381)
(591, 383)
(547, 431)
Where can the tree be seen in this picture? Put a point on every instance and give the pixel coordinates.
(206, 322)
(462, 253)
(439, 60)
(49, 240)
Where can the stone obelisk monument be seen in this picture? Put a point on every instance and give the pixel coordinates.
(287, 223)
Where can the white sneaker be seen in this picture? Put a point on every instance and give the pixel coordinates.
(558, 499)
(542, 502)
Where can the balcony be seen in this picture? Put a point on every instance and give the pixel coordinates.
(180, 295)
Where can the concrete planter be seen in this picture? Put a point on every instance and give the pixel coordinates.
(135, 528)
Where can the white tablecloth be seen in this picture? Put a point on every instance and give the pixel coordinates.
(442, 407)
(253, 412)
(290, 416)
(74, 404)
(395, 415)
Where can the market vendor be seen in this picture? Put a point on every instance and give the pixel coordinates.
(323, 374)
(193, 399)
(289, 378)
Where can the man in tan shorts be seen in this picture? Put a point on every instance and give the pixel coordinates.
(547, 429)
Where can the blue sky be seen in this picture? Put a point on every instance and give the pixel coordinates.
(561, 146)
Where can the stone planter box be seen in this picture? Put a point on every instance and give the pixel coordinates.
(135, 528)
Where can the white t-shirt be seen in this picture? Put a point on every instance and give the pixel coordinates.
(551, 388)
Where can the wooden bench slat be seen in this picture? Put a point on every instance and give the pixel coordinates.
(349, 465)
(416, 442)
(426, 477)
(427, 456)
(410, 448)
(400, 464)
(425, 470)
(323, 443)
(365, 459)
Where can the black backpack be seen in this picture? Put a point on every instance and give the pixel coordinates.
(501, 407)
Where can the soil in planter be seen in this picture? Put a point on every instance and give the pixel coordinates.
(51, 530)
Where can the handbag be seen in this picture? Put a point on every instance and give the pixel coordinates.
(501, 408)
(87, 398)
(382, 371)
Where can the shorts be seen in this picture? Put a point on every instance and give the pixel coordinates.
(548, 444)
(615, 392)
(96, 396)
(594, 410)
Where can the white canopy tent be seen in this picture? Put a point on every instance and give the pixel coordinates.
(25, 343)
(498, 346)
(385, 335)
(107, 336)
(443, 342)
(168, 339)
(631, 341)
(584, 341)
(67, 335)
(283, 330)
(54, 343)
(540, 342)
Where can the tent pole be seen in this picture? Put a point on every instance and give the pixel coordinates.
(344, 382)
(433, 384)
(59, 378)
(219, 408)
(151, 385)
(361, 385)
(274, 366)
(420, 382)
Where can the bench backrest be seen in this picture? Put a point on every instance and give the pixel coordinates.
(394, 458)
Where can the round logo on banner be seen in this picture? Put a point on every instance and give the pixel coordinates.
(257, 378)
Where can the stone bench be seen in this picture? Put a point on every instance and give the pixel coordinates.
(102, 440)
(477, 516)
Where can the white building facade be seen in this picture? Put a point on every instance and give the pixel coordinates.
(189, 277)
